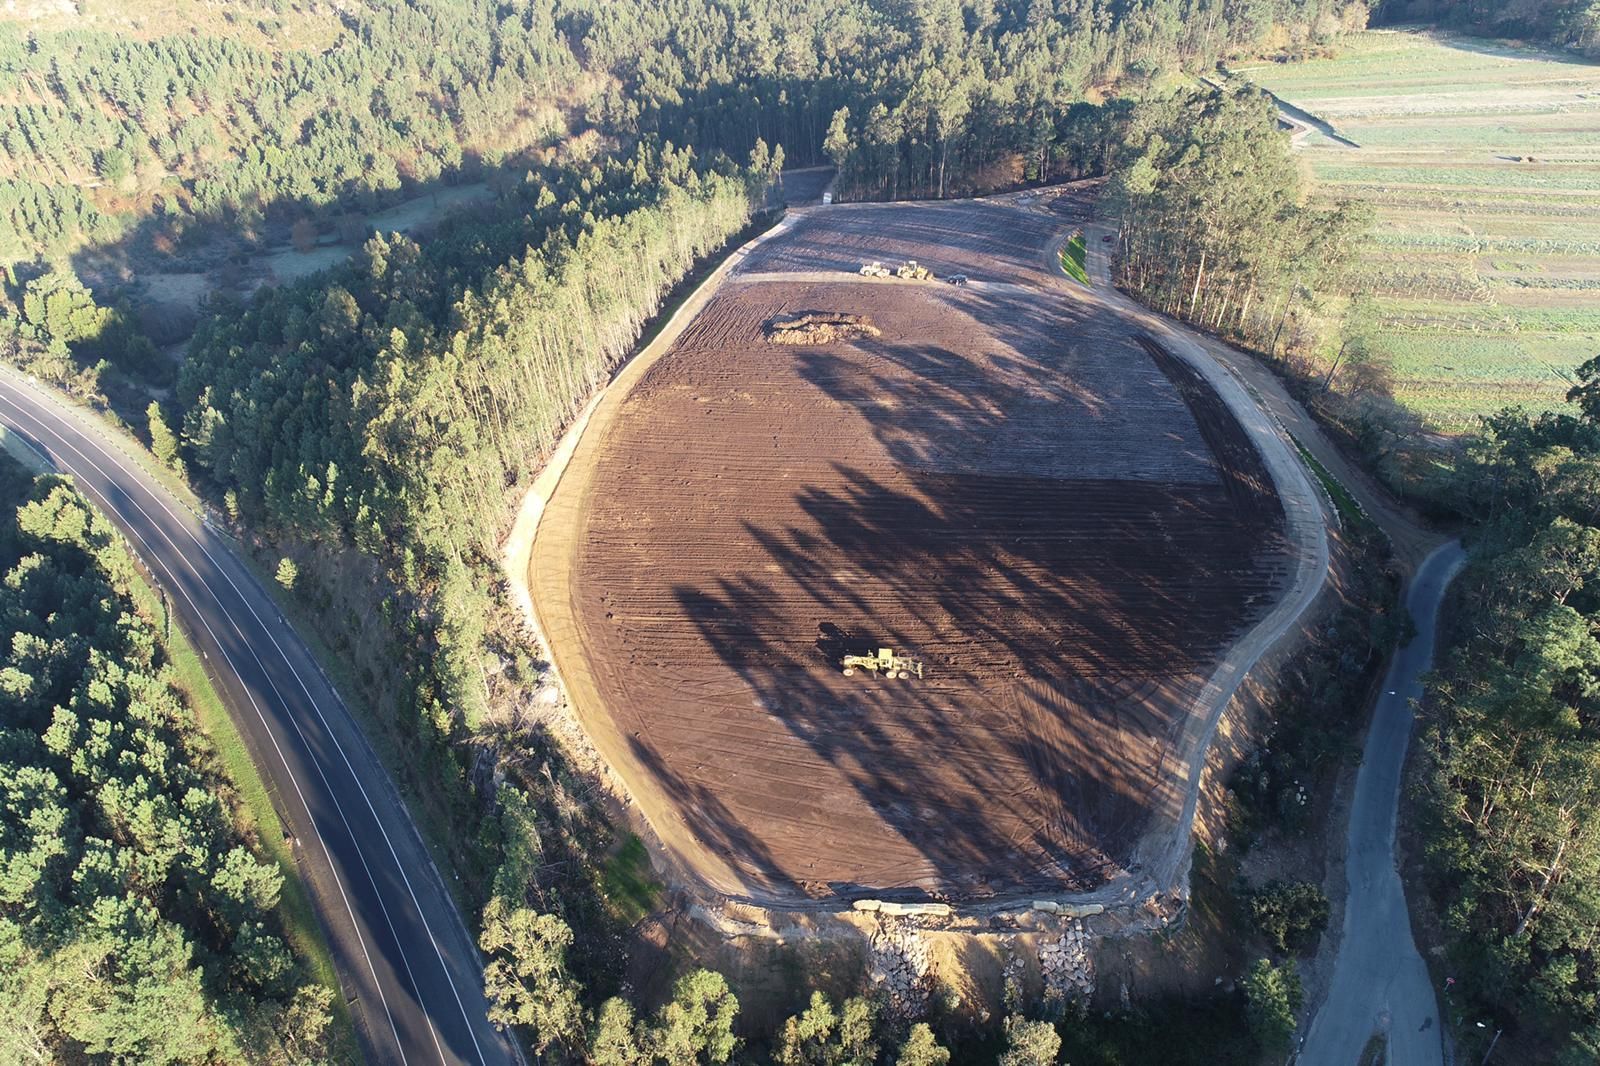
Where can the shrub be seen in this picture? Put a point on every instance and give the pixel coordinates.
(1272, 999)
(1291, 915)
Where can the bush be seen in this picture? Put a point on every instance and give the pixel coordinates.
(1291, 915)
(1272, 999)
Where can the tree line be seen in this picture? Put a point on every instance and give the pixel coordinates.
(533, 984)
(103, 132)
(395, 405)
(979, 96)
(1213, 224)
(1512, 740)
(135, 925)
(1571, 24)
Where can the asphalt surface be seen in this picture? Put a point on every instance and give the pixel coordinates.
(406, 963)
(1380, 984)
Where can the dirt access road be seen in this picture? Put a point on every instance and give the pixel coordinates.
(1088, 539)
(1380, 984)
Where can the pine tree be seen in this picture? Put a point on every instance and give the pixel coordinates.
(163, 442)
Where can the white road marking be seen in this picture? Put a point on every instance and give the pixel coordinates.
(154, 560)
(89, 437)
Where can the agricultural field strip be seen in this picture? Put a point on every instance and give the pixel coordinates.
(1483, 263)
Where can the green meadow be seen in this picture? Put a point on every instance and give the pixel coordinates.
(1482, 160)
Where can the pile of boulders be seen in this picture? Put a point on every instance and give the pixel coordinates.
(1065, 965)
(901, 969)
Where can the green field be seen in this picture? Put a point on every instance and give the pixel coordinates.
(1482, 160)
(1074, 259)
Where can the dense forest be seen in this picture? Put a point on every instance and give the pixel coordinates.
(135, 925)
(1566, 23)
(1513, 788)
(106, 135)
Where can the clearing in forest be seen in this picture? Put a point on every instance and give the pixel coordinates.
(1483, 162)
(1063, 523)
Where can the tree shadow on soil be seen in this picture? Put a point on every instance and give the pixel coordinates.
(1067, 625)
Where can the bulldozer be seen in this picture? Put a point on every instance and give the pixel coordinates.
(912, 272)
(874, 270)
(885, 662)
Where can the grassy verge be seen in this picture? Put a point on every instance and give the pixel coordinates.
(630, 890)
(253, 811)
(1075, 259)
(1348, 507)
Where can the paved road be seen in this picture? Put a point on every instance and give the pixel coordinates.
(1166, 858)
(1380, 983)
(406, 962)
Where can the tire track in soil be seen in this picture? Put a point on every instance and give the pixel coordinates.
(1070, 528)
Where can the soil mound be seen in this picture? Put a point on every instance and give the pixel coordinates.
(820, 328)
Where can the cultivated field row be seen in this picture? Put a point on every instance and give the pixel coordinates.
(1483, 162)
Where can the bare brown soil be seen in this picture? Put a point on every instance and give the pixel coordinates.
(1065, 524)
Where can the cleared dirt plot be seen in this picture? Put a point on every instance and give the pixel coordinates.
(985, 240)
(1061, 521)
(803, 186)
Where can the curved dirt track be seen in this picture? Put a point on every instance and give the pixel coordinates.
(1087, 548)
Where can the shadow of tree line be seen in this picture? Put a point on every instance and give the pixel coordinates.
(1066, 622)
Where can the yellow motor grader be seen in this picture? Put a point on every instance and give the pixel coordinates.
(885, 662)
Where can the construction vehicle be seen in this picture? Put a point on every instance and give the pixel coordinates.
(912, 272)
(874, 270)
(886, 662)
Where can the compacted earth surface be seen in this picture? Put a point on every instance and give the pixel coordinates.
(1060, 520)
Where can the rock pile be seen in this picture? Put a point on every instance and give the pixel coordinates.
(1065, 965)
(901, 968)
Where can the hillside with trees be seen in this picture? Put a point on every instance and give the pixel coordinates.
(161, 141)
(135, 925)
(1571, 24)
(1512, 778)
